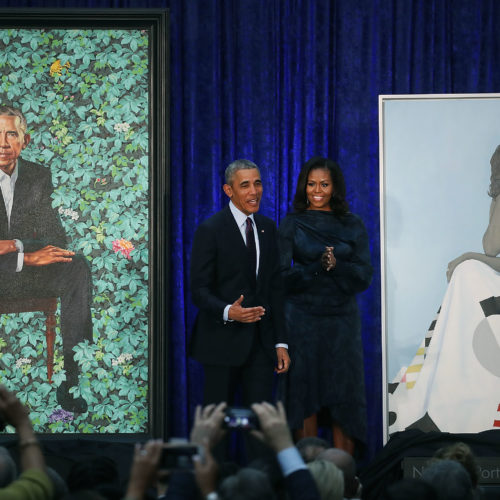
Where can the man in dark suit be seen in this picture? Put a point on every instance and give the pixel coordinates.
(33, 260)
(239, 334)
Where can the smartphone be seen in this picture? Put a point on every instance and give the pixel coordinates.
(240, 418)
(178, 455)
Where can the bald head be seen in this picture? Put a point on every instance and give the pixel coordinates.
(309, 447)
(346, 464)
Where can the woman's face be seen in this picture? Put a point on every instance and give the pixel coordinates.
(319, 189)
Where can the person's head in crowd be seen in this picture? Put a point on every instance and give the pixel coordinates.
(269, 465)
(8, 468)
(450, 480)
(96, 473)
(345, 462)
(410, 489)
(84, 495)
(247, 484)
(461, 453)
(337, 201)
(60, 486)
(310, 447)
(329, 479)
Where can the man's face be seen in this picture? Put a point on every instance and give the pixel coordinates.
(12, 142)
(246, 190)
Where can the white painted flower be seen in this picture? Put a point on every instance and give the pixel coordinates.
(68, 212)
(122, 359)
(22, 361)
(121, 127)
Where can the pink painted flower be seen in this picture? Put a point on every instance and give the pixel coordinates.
(123, 246)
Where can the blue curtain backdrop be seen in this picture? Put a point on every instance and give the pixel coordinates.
(279, 81)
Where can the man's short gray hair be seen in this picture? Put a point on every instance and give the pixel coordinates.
(10, 111)
(247, 484)
(20, 121)
(236, 165)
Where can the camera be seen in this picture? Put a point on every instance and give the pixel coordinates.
(240, 418)
(178, 455)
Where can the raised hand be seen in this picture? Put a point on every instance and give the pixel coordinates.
(274, 428)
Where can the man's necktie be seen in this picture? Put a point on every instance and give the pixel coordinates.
(252, 251)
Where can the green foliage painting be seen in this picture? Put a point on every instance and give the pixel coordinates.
(85, 96)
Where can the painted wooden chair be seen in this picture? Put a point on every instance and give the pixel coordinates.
(47, 305)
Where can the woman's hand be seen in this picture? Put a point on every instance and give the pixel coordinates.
(455, 262)
(328, 260)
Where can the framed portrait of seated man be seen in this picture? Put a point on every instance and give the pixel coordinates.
(83, 243)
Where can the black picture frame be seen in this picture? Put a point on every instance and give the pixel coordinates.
(156, 22)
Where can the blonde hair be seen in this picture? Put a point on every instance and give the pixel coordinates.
(329, 479)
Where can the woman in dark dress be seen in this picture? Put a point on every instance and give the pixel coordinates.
(325, 261)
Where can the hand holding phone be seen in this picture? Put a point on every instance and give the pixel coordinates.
(240, 418)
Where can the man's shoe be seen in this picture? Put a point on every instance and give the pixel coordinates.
(68, 402)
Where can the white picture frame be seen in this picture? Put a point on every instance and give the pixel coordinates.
(435, 152)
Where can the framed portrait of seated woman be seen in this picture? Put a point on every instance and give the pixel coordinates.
(84, 118)
(440, 238)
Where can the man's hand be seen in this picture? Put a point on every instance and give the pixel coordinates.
(206, 471)
(283, 360)
(144, 470)
(7, 246)
(245, 314)
(47, 255)
(274, 429)
(207, 428)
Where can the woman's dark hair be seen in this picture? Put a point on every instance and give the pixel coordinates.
(338, 204)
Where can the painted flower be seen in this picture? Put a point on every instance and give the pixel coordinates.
(23, 361)
(56, 67)
(121, 127)
(68, 212)
(60, 416)
(122, 359)
(123, 246)
(102, 181)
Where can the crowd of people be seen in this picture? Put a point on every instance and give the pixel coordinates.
(309, 469)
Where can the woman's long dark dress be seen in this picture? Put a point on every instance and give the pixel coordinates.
(323, 319)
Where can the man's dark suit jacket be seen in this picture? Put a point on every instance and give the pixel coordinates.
(220, 273)
(37, 224)
(33, 220)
